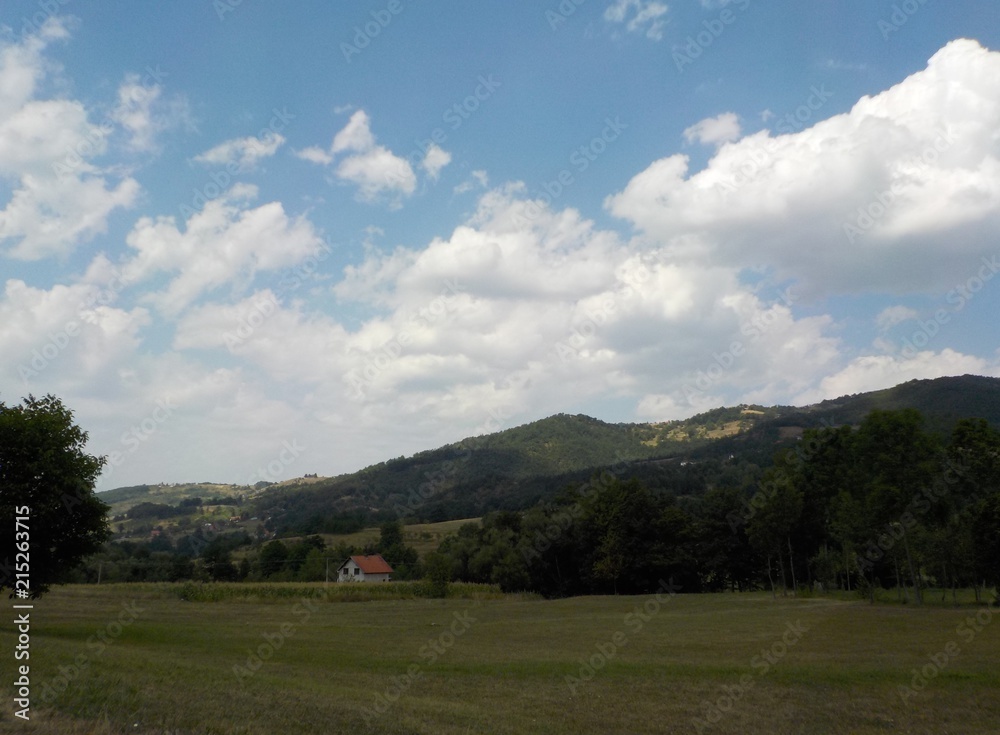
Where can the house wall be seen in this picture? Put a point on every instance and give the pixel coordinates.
(347, 573)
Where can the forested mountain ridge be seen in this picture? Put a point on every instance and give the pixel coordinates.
(515, 468)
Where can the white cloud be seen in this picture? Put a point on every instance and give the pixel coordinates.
(225, 243)
(62, 336)
(49, 216)
(244, 153)
(377, 171)
(715, 130)
(356, 136)
(572, 312)
(314, 154)
(135, 113)
(143, 112)
(478, 180)
(434, 160)
(374, 169)
(893, 315)
(22, 65)
(639, 15)
(59, 198)
(915, 171)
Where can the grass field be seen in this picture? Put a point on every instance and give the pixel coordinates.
(140, 659)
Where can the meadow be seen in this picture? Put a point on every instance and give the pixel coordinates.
(296, 658)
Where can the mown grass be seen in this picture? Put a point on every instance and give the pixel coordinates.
(182, 665)
(353, 592)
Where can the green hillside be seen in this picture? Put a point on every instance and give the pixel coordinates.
(122, 499)
(515, 468)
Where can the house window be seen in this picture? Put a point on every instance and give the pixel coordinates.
(357, 571)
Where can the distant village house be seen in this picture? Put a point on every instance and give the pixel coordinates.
(372, 568)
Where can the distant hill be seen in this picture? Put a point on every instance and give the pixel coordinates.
(122, 499)
(514, 468)
(942, 401)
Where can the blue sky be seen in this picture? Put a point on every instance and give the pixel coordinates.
(255, 240)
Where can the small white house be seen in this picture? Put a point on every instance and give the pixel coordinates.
(371, 568)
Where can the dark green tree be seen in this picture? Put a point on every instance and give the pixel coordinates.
(898, 460)
(390, 535)
(974, 466)
(723, 550)
(48, 478)
(314, 566)
(298, 552)
(770, 529)
(272, 558)
(402, 558)
(437, 567)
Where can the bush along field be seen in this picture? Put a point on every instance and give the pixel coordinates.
(281, 658)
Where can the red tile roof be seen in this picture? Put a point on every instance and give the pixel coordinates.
(373, 564)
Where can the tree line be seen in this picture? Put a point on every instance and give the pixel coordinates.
(236, 557)
(886, 503)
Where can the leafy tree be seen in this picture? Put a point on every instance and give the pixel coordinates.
(298, 552)
(721, 545)
(313, 567)
(46, 476)
(899, 461)
(986, 538)
(770, 528)
(402, 558)
(390, 535)
(219, 564)
(272, 558)
(437, 567)
(341, 552)
(460, 548)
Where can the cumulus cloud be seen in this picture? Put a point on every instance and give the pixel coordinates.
(144, 112)
(225, 243)
(377, 171)
(244, 153)
(373, 168)
(541, 295)
(893, 315)
(639, 16)
(356, 136)
(434, 160)
(22, 67)
(62, 335)
(908, 175)
(59, 198)
(715, 130)
(314, 154)
(478, 180)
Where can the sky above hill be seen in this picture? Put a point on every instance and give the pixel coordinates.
(249, 240)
